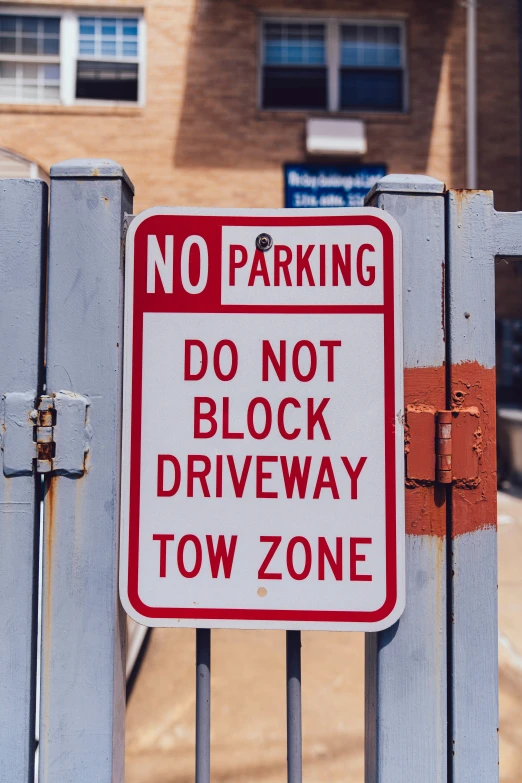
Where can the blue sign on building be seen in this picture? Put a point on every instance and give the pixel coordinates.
(315, 185)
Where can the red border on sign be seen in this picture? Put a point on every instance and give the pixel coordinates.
(209, 301)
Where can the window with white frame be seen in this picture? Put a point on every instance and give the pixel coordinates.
(333, 65)
(67, 57)
(29, 58)
(108, 66)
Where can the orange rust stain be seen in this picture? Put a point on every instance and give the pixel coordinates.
(50, 513)
(424, 391)
(467, 446)
(78, 518)
(425, 386)
(49, 535)
(475, 499)
(463, 195)
(426, 510)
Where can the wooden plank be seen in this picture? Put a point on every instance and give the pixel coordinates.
(83, 625)
(406, 726)
(23, 245)
(473, 595)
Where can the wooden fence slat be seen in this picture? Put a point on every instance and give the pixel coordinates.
(83, 624)
(475, 236)
(406, 726)
(23, 245)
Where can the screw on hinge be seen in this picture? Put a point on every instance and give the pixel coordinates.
(44, 435)
(443, 447)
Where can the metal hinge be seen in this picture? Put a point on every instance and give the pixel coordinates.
(51, 435)
(45, 443)
(443, 446)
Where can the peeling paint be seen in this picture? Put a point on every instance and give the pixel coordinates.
(425, 391)
(474, 498)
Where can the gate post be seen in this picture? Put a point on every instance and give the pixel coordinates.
(83, 625)
(406, 693)
(476, 234)
(23, 244)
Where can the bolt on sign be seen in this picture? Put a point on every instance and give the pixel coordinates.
(262, 482)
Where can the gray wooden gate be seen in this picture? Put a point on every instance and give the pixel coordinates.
(431, 680)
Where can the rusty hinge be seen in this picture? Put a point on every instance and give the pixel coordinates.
(45, 445)
(442, 446)
(52, 434)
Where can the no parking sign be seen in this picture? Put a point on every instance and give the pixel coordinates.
(263, 482)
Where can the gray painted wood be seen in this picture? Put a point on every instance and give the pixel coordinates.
(476, 235)
(406, 183)
(421, 217)
(23, 228)
(83, 625)
(507, 234)
(406, 716)
(473, 243)
(475, 658)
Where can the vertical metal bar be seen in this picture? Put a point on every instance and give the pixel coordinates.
(203, 705)
(23, 244)
(83, 626)
(406, 729)
(294, 742)
(475, 234)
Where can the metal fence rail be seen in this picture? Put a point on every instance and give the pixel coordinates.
(82, 723)
(431, 679)
(23, 250)
(294, 740)
(203, 705)
(406, 673)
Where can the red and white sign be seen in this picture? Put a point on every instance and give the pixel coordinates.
(262, 482)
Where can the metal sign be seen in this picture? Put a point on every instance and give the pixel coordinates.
(318, 185)
(262, 480)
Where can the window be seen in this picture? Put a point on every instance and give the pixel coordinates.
(371, 67)
(29, 58)
(101, 37)
(108, 64)
(334, 65)
(100, 58)
(295, 74)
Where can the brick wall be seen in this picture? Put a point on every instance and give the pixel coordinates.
(201, 139)
(499, 102)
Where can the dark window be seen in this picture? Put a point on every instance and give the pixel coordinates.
(294, 66)
(294, 88)
(298, 74)
(371, 75)
(371, 88)
(106, 81)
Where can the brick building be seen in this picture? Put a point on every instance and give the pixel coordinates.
(204, 101)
